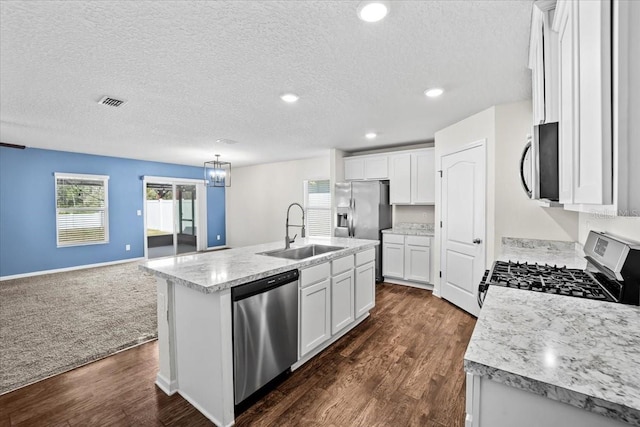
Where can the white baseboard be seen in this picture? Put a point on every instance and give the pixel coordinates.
(426, 286)
(62, 270)
(217, 248)
(169, 387)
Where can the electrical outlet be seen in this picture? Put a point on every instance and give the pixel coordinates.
(139, 212)
(218, 237)
(127, 247)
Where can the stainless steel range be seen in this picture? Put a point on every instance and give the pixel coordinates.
(612, 273)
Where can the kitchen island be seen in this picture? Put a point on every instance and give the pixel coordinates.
(195, 311)
(548, 360)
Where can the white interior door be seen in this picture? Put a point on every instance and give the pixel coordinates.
(463, 226)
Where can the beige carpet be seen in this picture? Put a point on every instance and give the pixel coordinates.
(53, 323)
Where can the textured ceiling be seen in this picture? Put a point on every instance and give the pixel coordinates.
(196, 71)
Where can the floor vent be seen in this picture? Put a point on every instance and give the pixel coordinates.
(112, 102)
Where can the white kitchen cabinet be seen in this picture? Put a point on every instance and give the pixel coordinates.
(366, 167)
(492, 404)
(342, 301)
(417, 256)
(543, 62)
(423, 177)
(365, 282)
(585, 125)
(406, 257)
(393, 256)
(315, 316)
(400, 179)
(412, 177)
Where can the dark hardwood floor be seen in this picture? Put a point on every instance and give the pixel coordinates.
(400, 367)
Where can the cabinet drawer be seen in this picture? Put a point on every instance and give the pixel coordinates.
(365, 257)
(419, 240)
(393, 238)
(314, 274)
(341, 265)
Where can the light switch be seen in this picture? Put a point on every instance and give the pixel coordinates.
(139, 212)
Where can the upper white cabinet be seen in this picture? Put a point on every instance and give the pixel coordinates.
(412, 177)
(585, 119)
(543, 62)
(366, 167)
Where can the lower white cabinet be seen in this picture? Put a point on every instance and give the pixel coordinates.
(315, 316)
(342, 301)
(365, 288)
(406, 257)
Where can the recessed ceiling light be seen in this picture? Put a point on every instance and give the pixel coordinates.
(371, 135)
(373, 11)
(434, 93)
(289, 97)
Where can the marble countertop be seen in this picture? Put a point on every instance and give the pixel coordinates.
(581, 352)
(411, 229)
(217, 270)
(551, 252)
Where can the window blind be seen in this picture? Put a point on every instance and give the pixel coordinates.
(318, 207)
(81, 209)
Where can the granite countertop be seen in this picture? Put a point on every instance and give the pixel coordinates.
(581, 352)
(217, 270)
(411, 229)
(551, 252)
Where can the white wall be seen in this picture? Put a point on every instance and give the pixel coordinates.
(516, 214)
(415, 214)
(258, 198)
(628, 227)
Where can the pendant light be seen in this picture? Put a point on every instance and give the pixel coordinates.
(217, 173)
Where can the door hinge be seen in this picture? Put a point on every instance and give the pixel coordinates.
(440, 172)
(441, 274)
(440, 224)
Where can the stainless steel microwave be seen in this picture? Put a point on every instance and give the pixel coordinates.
(539, 167)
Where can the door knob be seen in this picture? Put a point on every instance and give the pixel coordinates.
(477, 241)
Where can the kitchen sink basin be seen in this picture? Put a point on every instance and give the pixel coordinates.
(302, 252)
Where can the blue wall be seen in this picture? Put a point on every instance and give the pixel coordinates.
(28, 208)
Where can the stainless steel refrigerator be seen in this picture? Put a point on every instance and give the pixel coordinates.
(363, 210)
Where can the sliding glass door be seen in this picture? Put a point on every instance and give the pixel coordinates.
(171, 219)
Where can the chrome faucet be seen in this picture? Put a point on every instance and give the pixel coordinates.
(287, 240)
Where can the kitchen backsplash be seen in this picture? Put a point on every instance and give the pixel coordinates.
(413, 226)
(413, 214)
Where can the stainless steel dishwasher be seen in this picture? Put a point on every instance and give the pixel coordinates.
(265, 331)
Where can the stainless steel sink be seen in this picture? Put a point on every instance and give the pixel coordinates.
(302, 252)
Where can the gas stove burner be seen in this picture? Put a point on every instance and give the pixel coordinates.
(546, 278)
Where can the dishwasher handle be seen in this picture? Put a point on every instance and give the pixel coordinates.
(263, 285)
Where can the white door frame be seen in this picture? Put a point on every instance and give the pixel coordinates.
(201, 207)
(483, 256)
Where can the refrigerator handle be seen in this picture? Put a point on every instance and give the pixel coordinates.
(352, 228)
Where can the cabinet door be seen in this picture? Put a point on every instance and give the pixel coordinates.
(365, 288)
(342, 301)
(376, 167)
(315, 316)
(393, 260)
(536, 64)
(353, 169)
(417, 263)
(400, 179)
(564, 23)
(593, 168)
(423, 177)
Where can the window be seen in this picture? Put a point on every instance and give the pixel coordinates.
(317, 201)
(82, 215)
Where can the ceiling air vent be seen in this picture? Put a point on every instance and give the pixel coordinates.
(112, 102)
